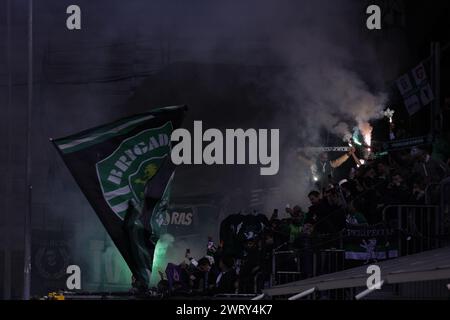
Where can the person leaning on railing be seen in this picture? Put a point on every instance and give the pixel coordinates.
(429, 169)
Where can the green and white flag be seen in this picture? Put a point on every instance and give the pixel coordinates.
(124, 168)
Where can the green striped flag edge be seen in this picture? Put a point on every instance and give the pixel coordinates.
(82, 140)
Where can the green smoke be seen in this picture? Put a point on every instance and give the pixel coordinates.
(160, 257)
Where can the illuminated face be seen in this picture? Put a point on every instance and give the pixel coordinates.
(314, 199)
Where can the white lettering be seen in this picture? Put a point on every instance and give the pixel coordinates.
(73, 22)
(374, 20)
(74, 280)
(241, 147)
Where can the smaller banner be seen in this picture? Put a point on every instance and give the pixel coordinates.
(370, 243)
(415, 89)
(407, 143)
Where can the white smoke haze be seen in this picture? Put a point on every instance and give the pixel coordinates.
(336, 83)
(334, 80)
(335, 99)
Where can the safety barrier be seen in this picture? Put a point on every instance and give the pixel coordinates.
(418, 226)
(444, 205)
(439, 194)
(285, 267)
(293, 265)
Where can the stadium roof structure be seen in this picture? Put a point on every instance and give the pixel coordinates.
(424, 266)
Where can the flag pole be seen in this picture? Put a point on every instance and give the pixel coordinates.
(27, 220)
(7, 260)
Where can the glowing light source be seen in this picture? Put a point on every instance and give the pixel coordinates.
(388, 113)
(355, 136)
(366, 131)
(368, 139)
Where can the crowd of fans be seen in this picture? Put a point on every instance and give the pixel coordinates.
(242, 261)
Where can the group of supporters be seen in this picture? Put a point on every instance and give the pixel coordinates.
(242, 261)
(213, 274)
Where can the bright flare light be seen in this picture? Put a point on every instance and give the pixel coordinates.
(366, 131)
(368, 139)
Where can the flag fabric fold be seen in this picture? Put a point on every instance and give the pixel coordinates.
(124, 170)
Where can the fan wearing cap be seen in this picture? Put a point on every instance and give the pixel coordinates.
(428, 168)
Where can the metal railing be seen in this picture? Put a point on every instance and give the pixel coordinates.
(436, 193)
(444, 205)
(418, 226)
(290, 271)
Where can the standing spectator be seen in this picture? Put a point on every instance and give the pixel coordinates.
(383, 171)
(251, 266)
(295, 224)
(429, 169)
(355, 217)
(396, 192)
(200, 276)
(322, 169)
(418, 192)
(226, 281)
(318, 214)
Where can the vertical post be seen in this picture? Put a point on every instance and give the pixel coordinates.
(437, 225)
(437, 87)
(27, 220)
(432, 80)
(400, 235)
(436, 116)
(444, 189)
(314, 263)
(274, 273)
(7, 263)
